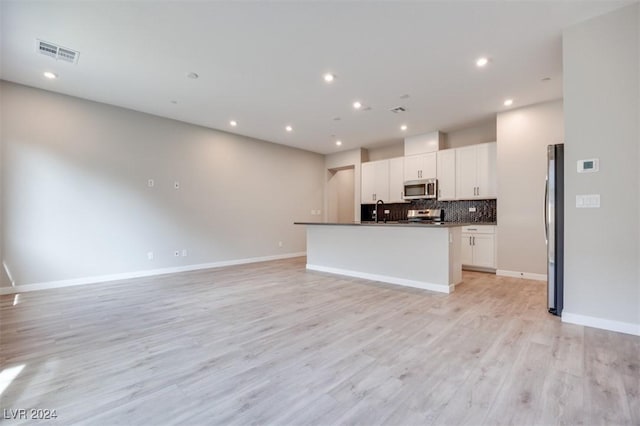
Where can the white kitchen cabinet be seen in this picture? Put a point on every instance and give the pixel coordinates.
(422, 144)
(446, 172)
(420, 166)
(476, 172)
(478, 246)
(396, 180)
(375, 182)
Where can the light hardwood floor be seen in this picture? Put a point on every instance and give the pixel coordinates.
(271, 343)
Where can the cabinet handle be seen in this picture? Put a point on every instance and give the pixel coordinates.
(469, 240)
(401, 195)
(439, 193)
(474, 240)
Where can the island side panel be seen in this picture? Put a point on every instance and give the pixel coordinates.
(416, 257)
(455, 255)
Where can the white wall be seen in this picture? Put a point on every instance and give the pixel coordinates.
(76, 203)
(523, 135)
(481, 132)
(387, 151)
(602, 102)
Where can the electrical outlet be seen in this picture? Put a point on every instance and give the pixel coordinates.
(151, 183)
(279, 243)
(176, 185)
(150, 255)
(472, 210)
(184, 252)
(176, 253)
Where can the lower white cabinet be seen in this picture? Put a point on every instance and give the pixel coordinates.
(479, 246)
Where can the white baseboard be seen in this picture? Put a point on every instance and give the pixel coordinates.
(525, 275)
(604, 324)
(441, 288)
(140, 274)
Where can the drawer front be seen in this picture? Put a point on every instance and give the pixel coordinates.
(479, 229)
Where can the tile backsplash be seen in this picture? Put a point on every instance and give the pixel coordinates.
(454, 211)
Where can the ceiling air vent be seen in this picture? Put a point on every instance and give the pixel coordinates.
(398, 109)
(57, 52)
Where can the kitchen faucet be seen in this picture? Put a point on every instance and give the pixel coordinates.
(378, 212)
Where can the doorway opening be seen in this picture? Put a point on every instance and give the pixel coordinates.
(341, 194)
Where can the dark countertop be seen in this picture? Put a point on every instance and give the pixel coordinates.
(397, 224)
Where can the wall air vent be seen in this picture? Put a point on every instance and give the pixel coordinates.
(57, 52)
(398, 109)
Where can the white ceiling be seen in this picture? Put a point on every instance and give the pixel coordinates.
(261, 63)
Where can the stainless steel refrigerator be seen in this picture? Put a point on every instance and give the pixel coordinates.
(554, 227)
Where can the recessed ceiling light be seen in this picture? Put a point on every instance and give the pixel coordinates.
(481, 62)
(50, 75)
(403, 127)
(508, 102)
(233, 123)
(193, 75)
(289, 129)
(357, 105)
(338, 143)
(174, 102)
(328, 77)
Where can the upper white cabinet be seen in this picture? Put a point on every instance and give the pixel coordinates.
(476, 172)
(420, 166)
(423, 144)
(375, 182)
(396, 180)
(446, 171)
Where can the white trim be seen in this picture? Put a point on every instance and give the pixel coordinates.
(140, 274)
(524, 275)
(604, 324)
(441, 288)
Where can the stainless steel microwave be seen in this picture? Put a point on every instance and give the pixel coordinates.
(420, 189)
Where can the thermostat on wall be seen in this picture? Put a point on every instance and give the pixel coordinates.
(588, 166)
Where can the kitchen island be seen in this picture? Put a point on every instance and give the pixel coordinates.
(425, 256)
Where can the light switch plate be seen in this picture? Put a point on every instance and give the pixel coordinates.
(588, 201)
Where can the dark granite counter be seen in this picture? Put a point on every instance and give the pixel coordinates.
(391, 224)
